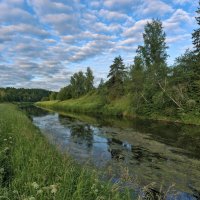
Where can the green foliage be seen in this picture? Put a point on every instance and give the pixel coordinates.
(30, 168)
(186, 75)
(149, 88)
(64, 93)
(80, 84)
(196, 34)
(53, 96)
(136, 84)
(117, 76)
(89, 80)
(153, 51)
(22, 95)
(77, 83)
(45, 99)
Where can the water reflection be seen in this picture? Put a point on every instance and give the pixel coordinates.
(32, 110)
(81, 133)
(153, 151)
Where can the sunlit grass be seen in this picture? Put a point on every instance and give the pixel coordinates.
(95, 104)
(30, 168)
(91, 103)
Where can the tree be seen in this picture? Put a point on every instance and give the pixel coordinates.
(137, 80)
(117, 76)
(52, 96)
(196, 34)
(101, 84)
(89, 81)
(153, 56)
(65, 93)
(154, 50)
(22, 95)
(186, 74)
(77, 83)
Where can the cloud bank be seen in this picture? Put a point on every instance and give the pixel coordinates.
(43, 42)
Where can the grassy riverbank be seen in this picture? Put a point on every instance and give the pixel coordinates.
(96, 104)
(30, 168)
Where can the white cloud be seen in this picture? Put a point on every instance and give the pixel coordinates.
(181, 1)
(157, 7)
(95, 4)
(136, 29)
(117, 3)
(25, 29)
(178, 19)
(43, 42)
(14, 14)
(112, 15)
(111, 28)
(178, 38)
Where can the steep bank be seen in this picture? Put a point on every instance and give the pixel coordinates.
(31, 168)
(96, 104)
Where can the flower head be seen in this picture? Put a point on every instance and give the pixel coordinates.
(35, 185)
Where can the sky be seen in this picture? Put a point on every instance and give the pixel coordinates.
(43, 42)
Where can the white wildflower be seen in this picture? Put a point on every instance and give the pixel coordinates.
(31, 198)
(6, 149)
(39, 191)
(53, 189)
(1, 170)
(100, 198)
(35, 185)
(96, 191)
(93, 186)
(15, 192)
(46, 188)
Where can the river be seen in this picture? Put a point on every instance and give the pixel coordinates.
(151, 151)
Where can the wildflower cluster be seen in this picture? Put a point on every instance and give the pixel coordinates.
(39, 191)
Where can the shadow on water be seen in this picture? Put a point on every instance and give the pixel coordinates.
(152, 151)
(32, 110)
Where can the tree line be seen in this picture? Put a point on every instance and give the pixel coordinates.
(10, 94)
(80, 84)
(149, 81)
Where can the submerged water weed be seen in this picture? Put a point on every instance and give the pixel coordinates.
(149, 192)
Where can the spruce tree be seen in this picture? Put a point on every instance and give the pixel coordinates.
(117, 76)
(196, 34)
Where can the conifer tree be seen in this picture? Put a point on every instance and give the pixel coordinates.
(196, 34)
(117, 76)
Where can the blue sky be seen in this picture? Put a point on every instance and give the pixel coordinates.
(43, 42)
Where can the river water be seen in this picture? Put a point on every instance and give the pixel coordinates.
(152, 151)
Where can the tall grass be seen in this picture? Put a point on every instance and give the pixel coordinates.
(91, 103)
(95, 104)
(30, 168)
